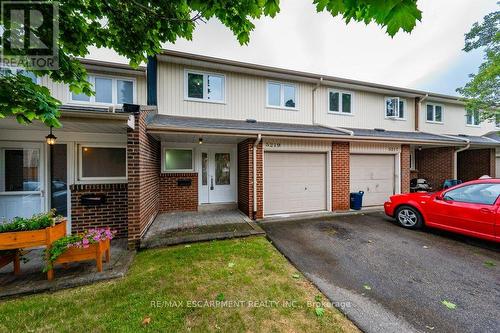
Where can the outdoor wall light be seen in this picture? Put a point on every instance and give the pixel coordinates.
(200, 140)
(51, 138)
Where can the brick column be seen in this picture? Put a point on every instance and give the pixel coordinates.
(143, 166)
(340, 176)
(245, 179)
(435, 165)
(405, 168)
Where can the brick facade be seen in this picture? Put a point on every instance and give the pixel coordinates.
(474, 163)
(143, 163)
(245, 179)
(340, 176)
(176, 198)
(405, 169)
(436, 165)
(113, 213)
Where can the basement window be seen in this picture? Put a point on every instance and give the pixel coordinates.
(97, 162)
(178, 160)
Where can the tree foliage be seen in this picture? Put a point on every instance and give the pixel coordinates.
(137, 28)
(482, 92)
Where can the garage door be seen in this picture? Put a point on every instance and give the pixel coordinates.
(373, 174)
(294, 182)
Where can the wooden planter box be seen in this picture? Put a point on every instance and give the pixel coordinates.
(93, 252)
(25, 239)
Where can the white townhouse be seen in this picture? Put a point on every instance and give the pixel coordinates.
(205, 130)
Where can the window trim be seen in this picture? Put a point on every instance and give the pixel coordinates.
(164, 164)
(434, 113)
(82, 179)
(468, 202)
(114, 88)
(396, 117)
(340, 92)
(282, 95)
(205, 87)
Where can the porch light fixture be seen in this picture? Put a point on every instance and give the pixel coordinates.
(51, 138)
(200, 140)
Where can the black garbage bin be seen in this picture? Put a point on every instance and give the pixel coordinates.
(357, 200)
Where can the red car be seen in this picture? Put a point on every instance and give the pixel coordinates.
(471, 208)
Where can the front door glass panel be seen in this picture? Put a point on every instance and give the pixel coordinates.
(222, 169)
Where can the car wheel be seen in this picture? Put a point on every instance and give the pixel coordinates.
(408, 217)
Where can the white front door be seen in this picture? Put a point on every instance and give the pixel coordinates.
(217, 175)
(21, 179)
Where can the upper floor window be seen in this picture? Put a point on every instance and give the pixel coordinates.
(434, 113)
(281, 95)
(204, 87)
(108, 90)
(472, 118)
(340, 102)
(4, 71)
(395, 108)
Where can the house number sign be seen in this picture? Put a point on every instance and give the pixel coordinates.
(273, 144)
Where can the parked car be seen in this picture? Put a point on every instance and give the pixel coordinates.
(471, 208)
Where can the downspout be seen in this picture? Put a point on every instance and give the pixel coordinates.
(318, 84)
(151, 80)
(254, 183)
(418, 106)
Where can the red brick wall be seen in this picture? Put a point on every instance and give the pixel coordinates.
(143, 163)
(340, 176)
(112, 214)
(178, 198)
(405, 168)
(474, 163)
(245, 179)
(435, 165)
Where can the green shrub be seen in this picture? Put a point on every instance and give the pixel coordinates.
(36, 222)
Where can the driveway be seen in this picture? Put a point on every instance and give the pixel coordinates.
(386, 278)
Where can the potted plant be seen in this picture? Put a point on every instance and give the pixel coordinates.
(38, 230)
(92, 244)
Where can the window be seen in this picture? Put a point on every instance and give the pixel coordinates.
(178, 159)
(100, 162)
(21, 170)
(395, 108)
(108, 90)
(204, 87)
(485, 194)
(4, 71)
(434, 113)
(340, 102)
(472, 118)
(281, 95)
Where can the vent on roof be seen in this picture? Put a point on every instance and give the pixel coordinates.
(379, 129)
(464, 135)
(253, 121)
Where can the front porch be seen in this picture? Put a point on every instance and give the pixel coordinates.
(209, 222)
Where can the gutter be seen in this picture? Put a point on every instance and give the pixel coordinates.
(254, 183)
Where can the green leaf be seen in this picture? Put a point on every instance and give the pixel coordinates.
(318, 298)
(367, 287)
(230, 265)
(489, 264)
(320, 312)
(296, 276)
(449, 305)
(220, 297)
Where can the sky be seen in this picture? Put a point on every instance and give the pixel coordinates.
(429, 58)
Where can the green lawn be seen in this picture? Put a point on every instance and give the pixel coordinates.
(154, 295)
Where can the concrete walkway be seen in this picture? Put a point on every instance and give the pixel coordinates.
(33, 280)
(186, 227)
